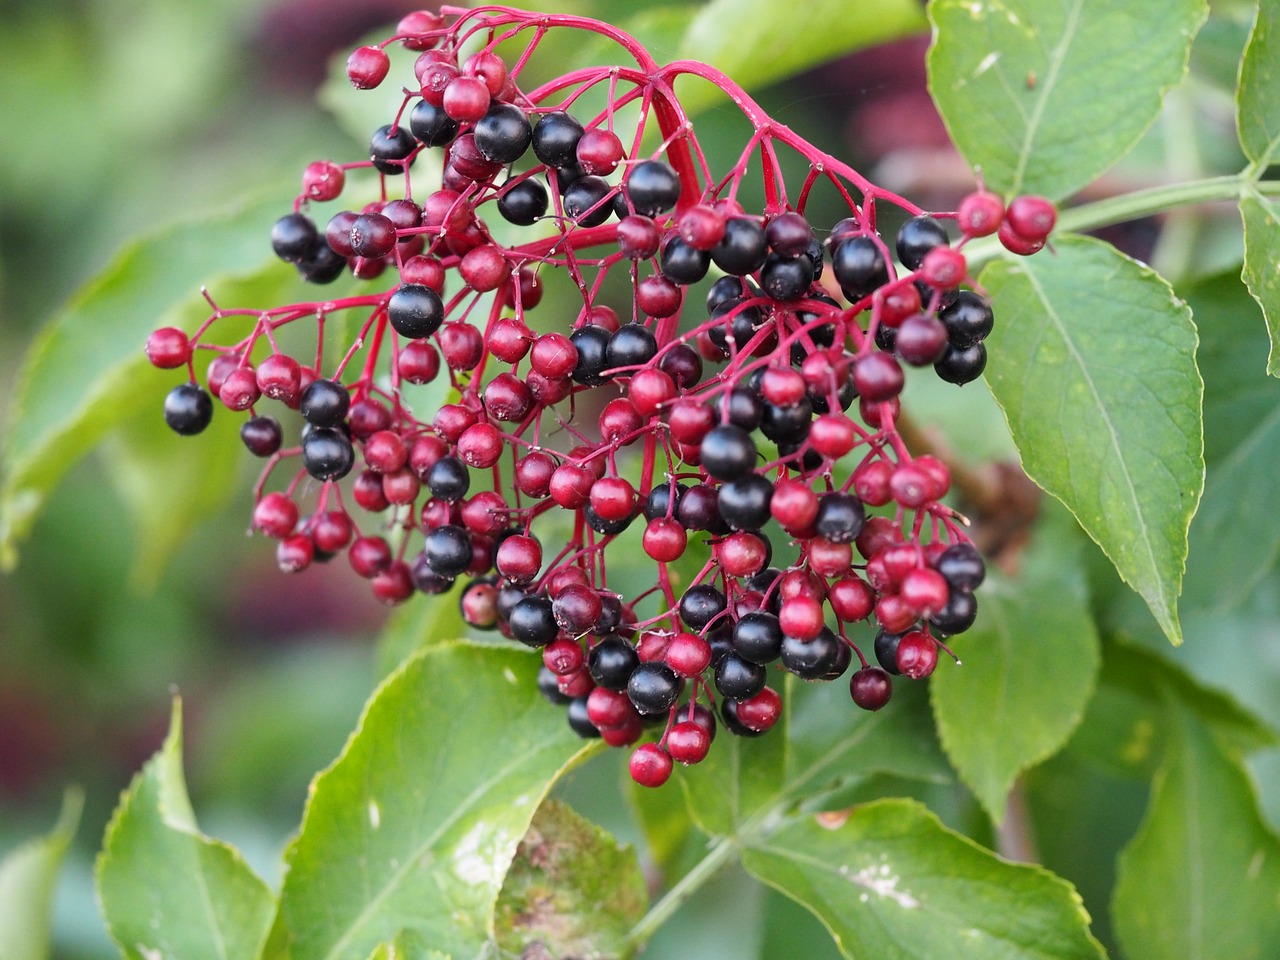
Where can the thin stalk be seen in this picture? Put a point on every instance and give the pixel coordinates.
(723, 850)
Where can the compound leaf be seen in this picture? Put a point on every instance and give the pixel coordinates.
(1202, 876)
(549, 897)
(892, 882)
(1044, 96)
(413, 827)
(1029, 668)
(1257, 99)
(166, 889)
(28, 875)
(1093, 362)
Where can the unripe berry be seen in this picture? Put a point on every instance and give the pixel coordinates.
(367, 67)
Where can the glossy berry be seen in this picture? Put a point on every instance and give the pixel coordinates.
(961, 365)
(651, 187)
(449, 479)
(742, 249)
(700, 605)
(431, 125)
(187, 409)
(367, 67)
(916, 238)
(261, 436)
(523, 203)
(650, 765)
(294, 238)
(327, 454)
(555, 139)
(533, 622)
(415, 311)
(325, 403)
(1031, 218)
(688, 742)
(961, 566)
(503, 134)
(738, 678)
(654, 688)
(728, 452)
(859, 267)
(870, 688)
(968, 320)
(840, 517)
(390, 147)
(980, 214)
(612, 661)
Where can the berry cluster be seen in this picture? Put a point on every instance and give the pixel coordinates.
(741, 412)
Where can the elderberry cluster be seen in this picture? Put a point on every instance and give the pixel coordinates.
(724, 423)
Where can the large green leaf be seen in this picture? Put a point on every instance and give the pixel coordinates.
(28, 876)
(1044, 95)
(414, 825)
(1093, 362)
(1261, 217)
(754, 52)
(87, 373)
(1258, 96)
(1029, 666)
(549, 898)
(892, 882)
(1202, 877)
(166, 889)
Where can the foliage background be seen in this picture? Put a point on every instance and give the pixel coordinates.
(123, 116)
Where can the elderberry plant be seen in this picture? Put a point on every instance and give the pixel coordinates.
(670, 421)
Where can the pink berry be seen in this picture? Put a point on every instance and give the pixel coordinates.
(367, 67)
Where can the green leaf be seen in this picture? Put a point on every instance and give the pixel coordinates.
(1029, 667)
(414, 825)
(425, 622)
(548, 897)
(1044, 96)
(1093, 362)
(28, 875)
(86, 373)
(166, 889)
(1261, 271)
(1202, 877)
(1257, 100)
(892, 882)
(752, 55)
(1126, 728)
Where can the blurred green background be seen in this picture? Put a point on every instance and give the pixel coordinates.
(124, 115)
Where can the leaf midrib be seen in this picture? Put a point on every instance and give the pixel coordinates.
(1051, 79)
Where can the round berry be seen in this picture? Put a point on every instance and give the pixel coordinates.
(294, 238)
(742, 249)
(700, 605)
(449, 479)
(859, 267)
(373, 235)
(840, 517)
(650, 765)
(168, 348)
(261, 436)
(652, 187)
(327, 453)
(916, 238)
(532, 622)
(431, 125)
(688, 742)
(814, 659)
(757, 637)
(612, 661)
(325, 403)
(870, 688)
(367, 67)
(728, 452)
(683, 264)
(654, 688)
(961, 365)
(503, 134)
(390, 149)
(523, 203)
(968, 320)
(738, 678)
(1031, 218)
(555, 139)
(980, 214)
(187, 409)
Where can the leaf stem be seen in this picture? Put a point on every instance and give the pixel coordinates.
(723, 849)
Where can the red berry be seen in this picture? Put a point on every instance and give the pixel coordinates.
(782, 386)
(870, 688)
(418, 362)
(911, 486)
(1015, 242)
(599, 152)
(893, 614)
(323, 180)
(742, 554)
(620, 421)
(609, 708)
(701, 226)
(484, 268)
(760, 712)
(877, 377)
(509, 339)
(369, 556)
(665, 540)
(488, 67)
(871, 483)
(943, 268)
(533, 474)
(393, 585)
(519, 558)
(331, 531)
(833, 435)
(650, 389)
(688, 654)
(367, 67)
(980, 214)
(899, 303)
(401, 486)
(487, 512)
(917, 655)
(562, 656)
(829, 559)
(553, 355)
(1031, 218)
(466, 99)
(295, 553)
(793, 505)
(168, 348)
(688, 742)
(613, 498)
(481, 445)
(851, 599)
(650, 765)
(801, 617)
(276, 515)
(415, 29)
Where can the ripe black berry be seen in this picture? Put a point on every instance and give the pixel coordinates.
(961, 365)
(744, 503)
(327, 453)
(555, 139)
(699, 509)
(584, 201)
(917, 237)
(592, 344)
(415, 311)
(757, 636)
(188, 409)
(503, 134)
(683, 263)
(859, 267)
(786, 278)
(432, 125)
(633, 345)
(886, 647)
(728, 452)
(579, 722)
(840, 517)
(654, 688)
(739, 678)
(294, 238)
(968, 320)
(788, 424)
(449, 479)
(652, 187)
(323, 266)
(448, 550)
(261, 436)
(958, 615)
(658, 503)
(523, 203)
(606, 528)
(325, 403)
(962, 566)
(701, 604)
(549, 687)
(389, 147)
(612, 661)
(742, 407)
(531, 620)
(812, 659)
(742, 249)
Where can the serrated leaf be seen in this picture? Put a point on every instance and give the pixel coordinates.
(28, 875)
(1202, 876)
(413, 827)
(82, 376)
(1044, 96)
(548, 897)
(892, 882)
(1257, 99)
(1261, 272)
(751, 54)
(1093, 362)
(168, 890)
(1029, 665)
